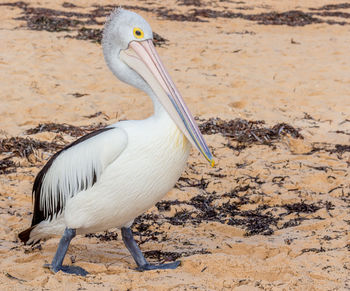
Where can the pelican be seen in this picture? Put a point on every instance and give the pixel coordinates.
(110, 176)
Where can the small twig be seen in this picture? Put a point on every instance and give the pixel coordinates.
(14, 278)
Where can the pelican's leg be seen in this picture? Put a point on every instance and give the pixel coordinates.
(142, 264)
(57, 261)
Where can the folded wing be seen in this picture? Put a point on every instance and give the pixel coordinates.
(75, 168)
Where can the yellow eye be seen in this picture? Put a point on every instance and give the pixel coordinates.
(138, 33)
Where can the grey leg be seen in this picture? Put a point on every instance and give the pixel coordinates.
(57, 261)
(142, 264)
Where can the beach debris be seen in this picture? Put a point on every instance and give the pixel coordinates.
(333, 6)
(264, 219)
(78, 95)
(196, 3)
(7, 166)
(24, 147)
(105, 236)
(301, 207)
(338, 149)
(247, 132)
(292, 41)
(20, 147)
(68, 5)
(92, 34)
(162, 257)
(290, 18)
(99, 113)
(237, 207)
(8, 275)
(82, 23)
(72, 130)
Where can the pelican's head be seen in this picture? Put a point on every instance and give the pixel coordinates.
(131, 56)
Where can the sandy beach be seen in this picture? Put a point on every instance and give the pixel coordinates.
(270, 84)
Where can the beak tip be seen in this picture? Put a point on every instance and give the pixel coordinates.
(212, 163)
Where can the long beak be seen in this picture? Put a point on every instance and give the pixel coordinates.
(143, 58)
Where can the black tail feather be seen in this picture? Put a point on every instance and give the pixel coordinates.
(24, 236)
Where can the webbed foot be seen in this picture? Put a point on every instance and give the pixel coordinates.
(73, 270)
(148, 267)
(139, 258)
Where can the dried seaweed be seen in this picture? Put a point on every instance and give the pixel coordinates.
(301, 207)
(333, 6)
(333, 14)
(290, 18)
(56, 20)
(75, 131)
(24, 147)
(161, 256)
(315, 250)
(106, 236)
(189, 2)
(293, 222)
(166, 204)
(38, 18)
(159, 40)
(168, 14)
(92, 34)
(99, 113)
(338, 149)
(248, 132)
(202, 183)
(105, 10)
(342, 132)
(18, 4)
(263, 219)
(7, 166)
(68, 5)
(207, 207)
(79, 95)
(8, 275)
(49, 23)
(255, 222)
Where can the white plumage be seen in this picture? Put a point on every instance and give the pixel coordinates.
(76, 168)
(137, 163)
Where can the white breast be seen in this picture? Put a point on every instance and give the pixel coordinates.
(147, 169)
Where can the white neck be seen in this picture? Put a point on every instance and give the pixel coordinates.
(158, 108)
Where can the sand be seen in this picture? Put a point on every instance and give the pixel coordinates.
(224, 67)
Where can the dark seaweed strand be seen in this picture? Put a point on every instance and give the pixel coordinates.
(39, 214)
